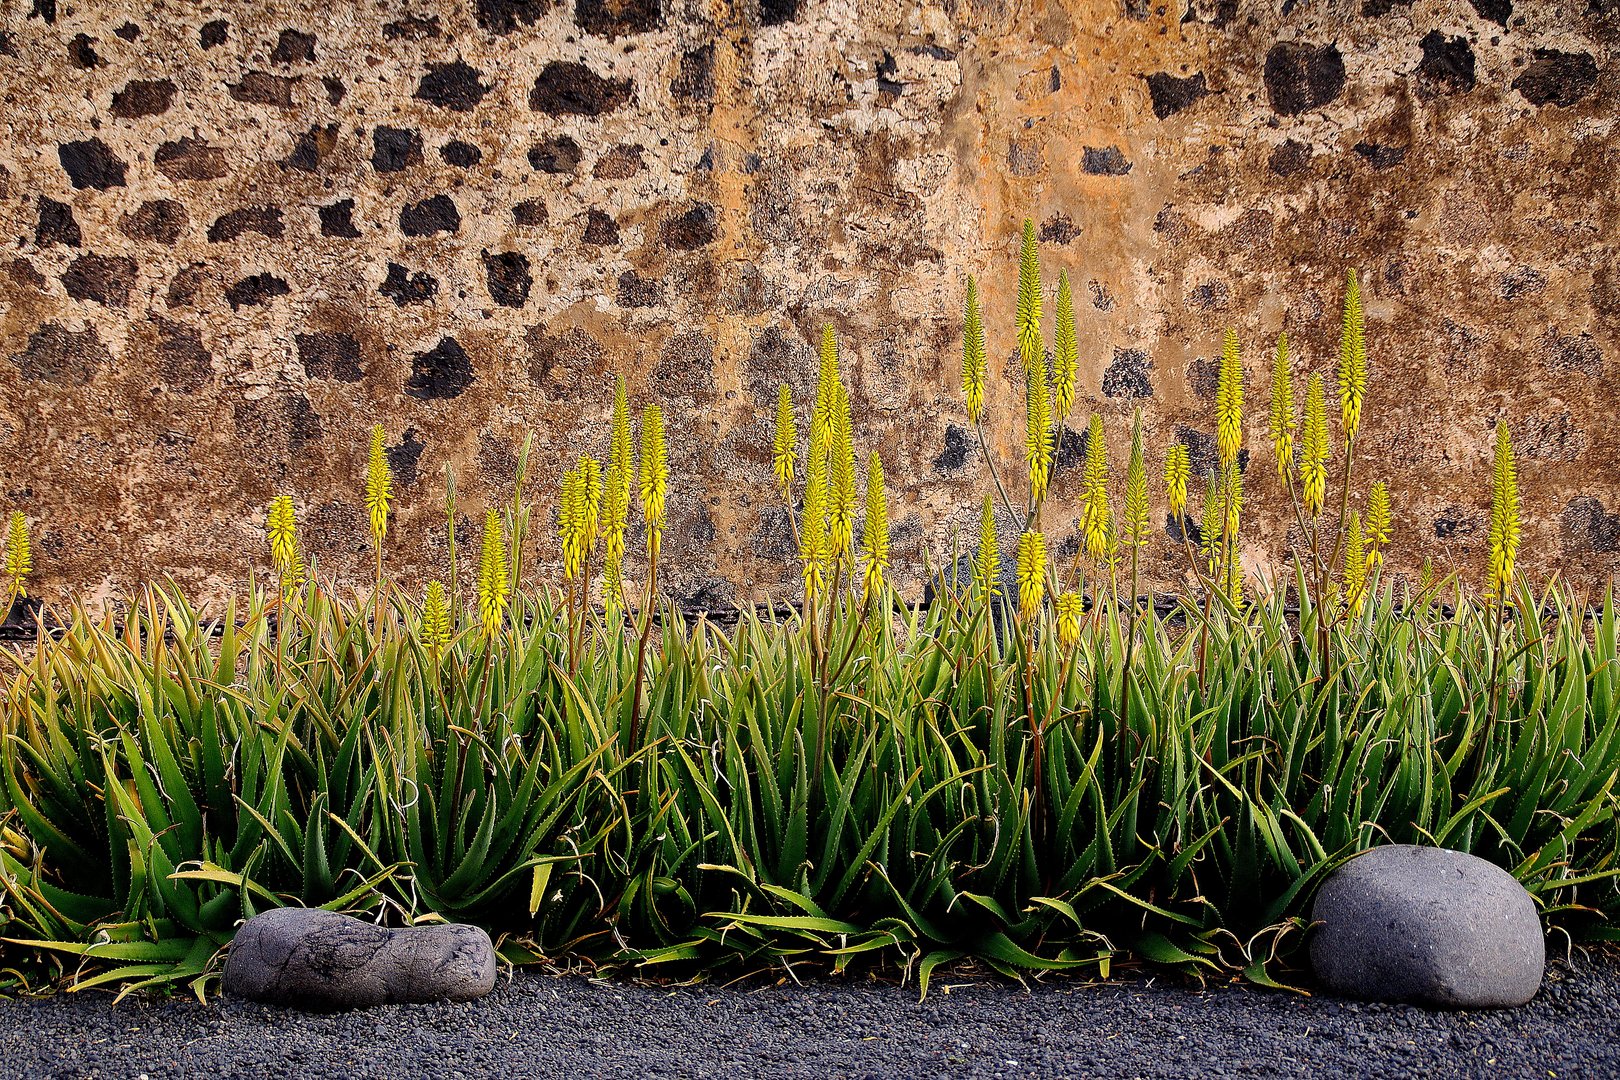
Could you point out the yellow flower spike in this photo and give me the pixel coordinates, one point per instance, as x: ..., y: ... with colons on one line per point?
x: 590, y: 485
x: 1038, y: 427
x: 1211, y: 521
x: 813, y: 527
x: 1177, y: 469
x: 875, y: 534
x: 1231, y: 517
x: 494, y: 585
x: 281, y: 528
x: 1229, y: 401
x: 616, y: 494
x: 1069, y: 608
x: 379, y: 486
x: 1378, y: 522
x: 654, y: 476
x: 987, y: 565
x: 1282, y: 409
x: 1352, y: 358
x: 1095, y: 513
x: 435, y: 620
x: 1065, y: 352
x: 841, y: 480
x: 1313, y: 449
x: 1029, y: 298
x: 1355, y: 564
x: 19, y: 558
x: 1504, y: 535
x: 571, y: 523
x: 785, y: 450
x: 1138, y: 526
x: 1031, y: 572
x: 973, y: 360
x: 828, y: 380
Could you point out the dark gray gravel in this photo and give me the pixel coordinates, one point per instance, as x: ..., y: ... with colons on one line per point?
x: 544, y: 1026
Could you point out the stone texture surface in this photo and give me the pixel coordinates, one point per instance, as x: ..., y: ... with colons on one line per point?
x: 1428, y: 926
x: 230, y: 229
x: 313, y: 959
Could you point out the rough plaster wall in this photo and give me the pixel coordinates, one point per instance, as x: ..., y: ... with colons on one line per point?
x: 241, y: 232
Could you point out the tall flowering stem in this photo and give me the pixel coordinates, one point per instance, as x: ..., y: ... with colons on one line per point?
x: 875, y: 534
x: 1504, y: 550
x: 281, y: 529
x: 1065, y: 353
x: 18, y: 561
x: 379, y: 493
x: 654, y: 490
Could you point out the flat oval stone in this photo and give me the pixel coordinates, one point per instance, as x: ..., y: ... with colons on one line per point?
x: 312, y: 959
x: 1428, y: 926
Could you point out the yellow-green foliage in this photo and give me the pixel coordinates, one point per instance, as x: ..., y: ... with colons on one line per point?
x: 785, y: 448
x: 379, y: 486
x: 1504, y: 535
x: 875, y: 534
x: 1352, y: 358
x: 1314, y: 450
x: 973, y: 360
x: 987, y: 563
x: 1229, y: 402
x: 1038, y: 426
x: 494, y: 586
x: 654, y: 476
x: 1138, y: 526
x: 1031, y: 572
x: 281, y: 528
x: 1095, y: 513
x: 19, y: 558
x: 1177, y: 470
x: 1029, y: 298
x: 1065, y: 352
x: 1282, y: 409
x: 435, y: 620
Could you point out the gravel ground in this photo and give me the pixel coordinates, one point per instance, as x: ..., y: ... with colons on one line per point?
x: 544, y: 1026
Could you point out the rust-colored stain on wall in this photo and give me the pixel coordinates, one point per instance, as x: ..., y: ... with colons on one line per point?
x: 239, y: 234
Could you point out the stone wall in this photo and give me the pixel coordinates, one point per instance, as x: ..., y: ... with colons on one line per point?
x: 241, y: 233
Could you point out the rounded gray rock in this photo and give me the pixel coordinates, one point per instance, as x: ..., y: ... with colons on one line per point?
x: 313, y: 959
x: 1427, y: 926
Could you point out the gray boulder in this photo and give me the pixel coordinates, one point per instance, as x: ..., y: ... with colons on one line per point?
x: 312, y: 959
x: 1427, y: 926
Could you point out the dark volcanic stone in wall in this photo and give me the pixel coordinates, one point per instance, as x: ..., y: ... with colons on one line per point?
x: 395, y: 149
x: 557, y: 154
x: 441, y: 372
x: 412, y: 28
x: 335, y: 90
x: 1170, y: 94
x: 456, y: 86
x: 128, y: 32
x: 213, y: 33
x: 1588, y: 527
x: 504, y: 16
x: 263, y: 88
x: 694, y: 81
x: 697, y: 227
x: 1379, y: 156
x: 143, y: 98
x: 404, y: 458
x: 530, y: 213
x: 403, y: 287
x: 1497, y: 11
x: 619, y: 163
x: 1104, y: 161
x: 777, y: 12
x: 336, y: 220
x: 560, y: 361
x: 294, y: 47
x: 162, y: 220
x: 58, y: 355
x: 105, y: 279
x: 1447, y: 65
x: 264, y: 220
x: 565, y: 88
x: 600, y: 229
x: 435, y: 215
x: 636, y: 291
x: 1127, y: 376
x: 686, y: 366
x: 191, y: 159
x: 507, y: 275
x: 186, y: 287
x: 56, y: 224
x: 329, y: 356
x: 954, y: 455
x: 184, y: 363
x: 463, y: 155
x: 1289, y: 158
x: 613, y: 19
x: 1300, y: 77
x: 256, y: 289
x: 90, y: 163
x: 1557, y: 78
x: 82, y: 51
x: 313, y: 147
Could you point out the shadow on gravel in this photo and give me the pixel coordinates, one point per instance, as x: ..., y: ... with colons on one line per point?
x: 541, y: 1026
